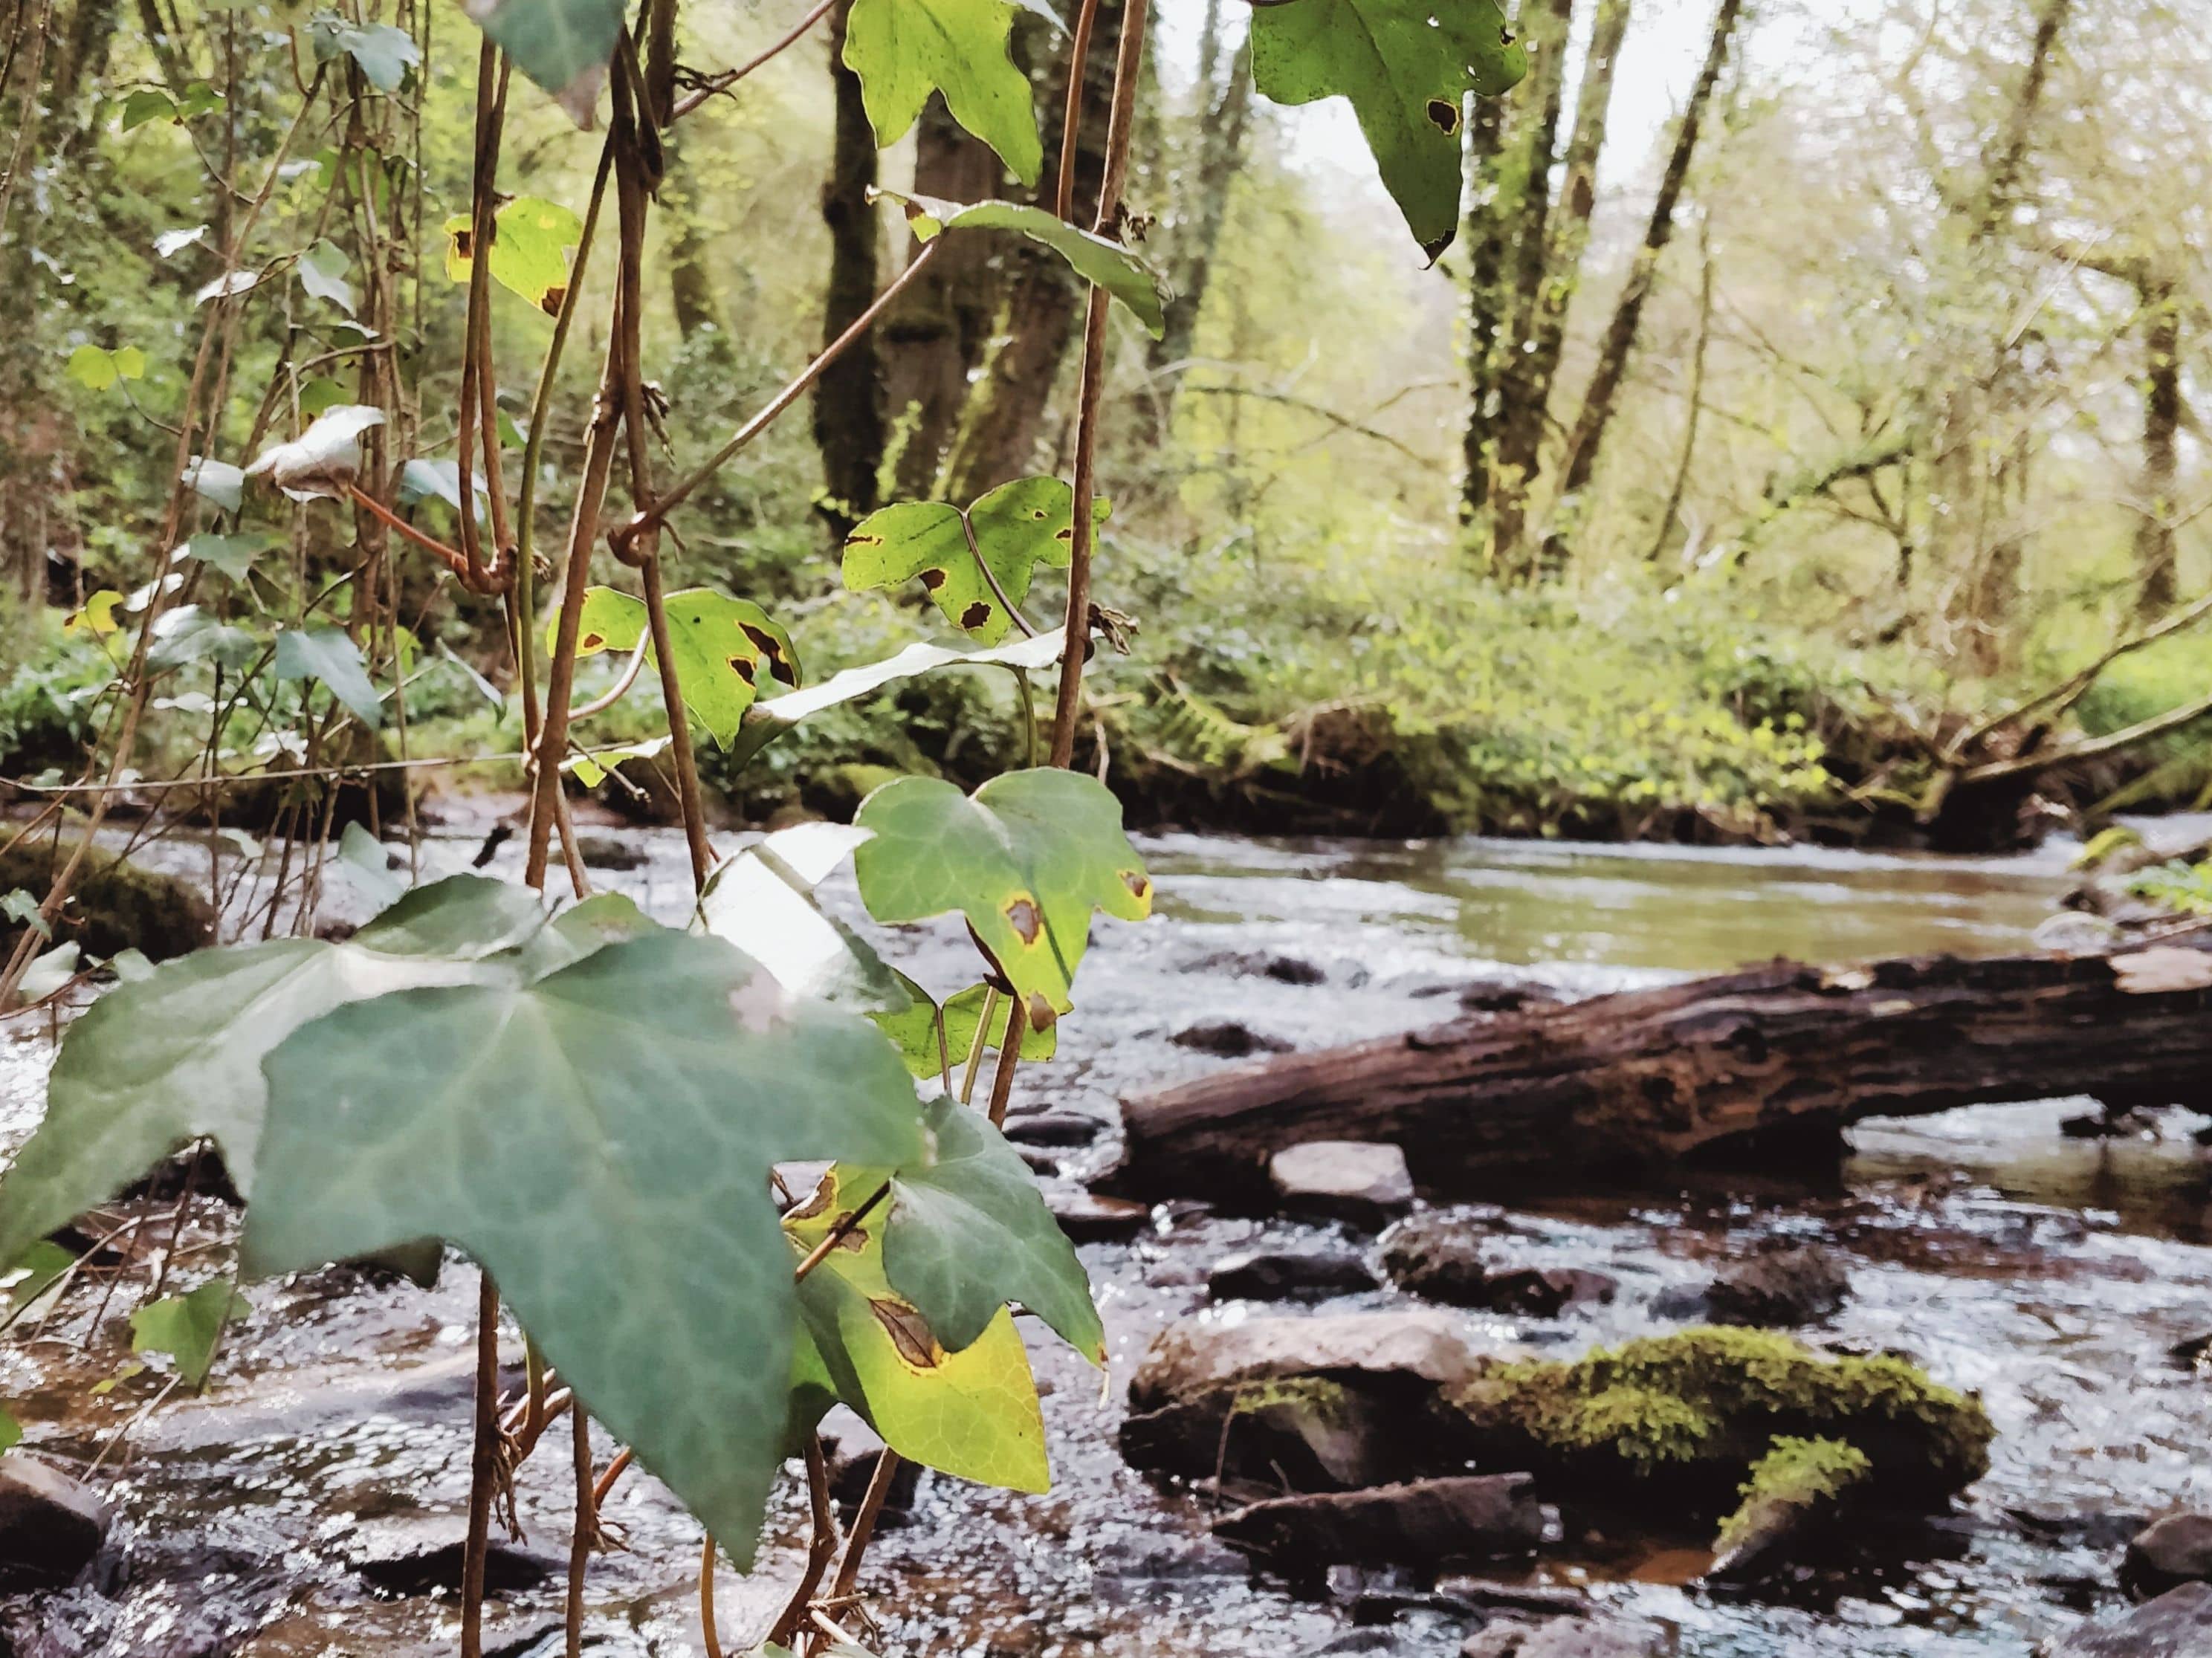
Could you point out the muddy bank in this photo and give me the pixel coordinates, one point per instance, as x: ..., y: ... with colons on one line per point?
x: 2051, y: 1277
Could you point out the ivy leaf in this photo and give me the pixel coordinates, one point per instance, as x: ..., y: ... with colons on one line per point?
x: 763, y: 902
x: 188, y: 633
x: 322, y: 271
x: 231, y: 554
x: 385, y: 53
x: 1407, y: 70
x: 914, y: 1029
x: 156, y: 1064
x: 39, y: 1269
x: 1011, y: 530
x: 971, y: 1412
x: 170, y: 243
x: 725, y: 648
x: 562, y: 45
x: 96, y: 370
x: 369, y: 866
x: 218, y: 480
x: 48, y: 973
x: 1098, y: 259
x: 904, y: 50
x: 970, y: 1231
x: 96, y: 615
x: 151, y: 104
x: 1025, y: 858
x: 600, y: 1140
x: 323, y: 460
x: 768, y: 719
x: 591, y: 769
x: 188, y: 1327
x: 327, y: 654
x: 532, y: 240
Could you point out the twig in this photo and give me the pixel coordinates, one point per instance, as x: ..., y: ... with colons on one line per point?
x: 820, y: 1547
x: 484, y: 1467
x: 714, y: 85
x: 706, y: 1599
x: 581, y: 1540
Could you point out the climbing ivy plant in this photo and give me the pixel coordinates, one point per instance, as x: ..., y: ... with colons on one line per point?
x: 600, y: 1111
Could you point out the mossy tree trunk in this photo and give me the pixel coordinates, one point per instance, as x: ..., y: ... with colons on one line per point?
x: 849, y: 428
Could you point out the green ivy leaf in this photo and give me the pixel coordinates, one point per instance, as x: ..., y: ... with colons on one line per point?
x: 562, y: 45
x: 39, y: 1269
x: 971, y: 1412
x: 147, y: 104
x: 1015, y: 528
x: 1407, y: 70
x: 96, y: 615
x: 970, y: 1231
x: 187, y: 634
x: 327, y: 654
x: 385, y: 53
x: 532, y: 241
x: 218, y: 480
x: 96, y: 370
x: 369, y: 866
x: 726, y: 648
x: 763, y: 902
x: 599, y: 1139
x: 188, y: 1327
x: 157, y: 1064
x: 1098, y: 259
x: 914, y: 1029
x: 231, y: 554
x: 1026, y: 860
x: 768, y: 719
x: 904, y: 50
x: 322, y: 271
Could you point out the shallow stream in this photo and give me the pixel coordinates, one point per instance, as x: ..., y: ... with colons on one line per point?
x: 2052, y: 1275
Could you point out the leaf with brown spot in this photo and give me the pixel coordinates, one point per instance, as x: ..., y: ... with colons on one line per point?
x: 719, y: 642
x: 1026, y: 860
x: 1013, y: 530
x: 972, y: 1413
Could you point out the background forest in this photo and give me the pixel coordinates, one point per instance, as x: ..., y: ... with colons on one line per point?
x: 1808, y: 384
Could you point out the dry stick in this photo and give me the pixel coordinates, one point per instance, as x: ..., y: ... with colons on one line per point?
x: 652, y: 518
x: 587, y: 1526
x: 715, y: 85
x: 1077, y: 627
x: 838, y: 1233
x: 819, y: 1548
x: 1002, y: 1082
x: 863, y: 1524
x: 484, y: 1467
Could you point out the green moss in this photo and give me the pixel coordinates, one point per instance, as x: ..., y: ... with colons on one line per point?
x: 1326, y: 1402
x: 1710, y: 1402
x: 115, y: 904
x: 1794, y: 1476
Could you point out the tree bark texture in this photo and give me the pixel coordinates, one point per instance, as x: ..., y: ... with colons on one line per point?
x: 849, y: 398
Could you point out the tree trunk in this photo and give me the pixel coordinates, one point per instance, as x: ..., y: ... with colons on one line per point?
x: 699, y: 319
x: 1602, y: 400
x: 849, y: 398
x: 1489, y: 238
x: 1779, y: 1054
x: 1521, y: 410
x: 2161, y: 426
x: 936, y: 334
x: 1005, y: 408
x: 1223, y: 117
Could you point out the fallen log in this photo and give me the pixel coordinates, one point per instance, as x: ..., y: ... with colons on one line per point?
x: 1782, y: 1054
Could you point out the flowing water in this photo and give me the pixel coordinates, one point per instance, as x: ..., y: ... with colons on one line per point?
x: 2051, y: 1275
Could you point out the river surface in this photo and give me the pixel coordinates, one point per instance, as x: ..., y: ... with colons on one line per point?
x: 2051, y: 1275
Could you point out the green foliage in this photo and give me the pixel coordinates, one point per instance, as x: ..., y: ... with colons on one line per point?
x: 971, y: 1412
x: 188, y: 1328
x: 2182, y: 888
x: 532, y: 244
x: 562, y: 45
x: 725, y: 648
x: 384, y: 54
x: 1026, y: 858
x: 327, y: 656
x: 918, y: 1029
x: 763, y: 902
x: 904, y: 50
x: 599, y: 1137
x: 968, y: 558
x: 1795, y: 1474
x: 1097, y: 259
x: 96, y: 370
x: 1407, y: 70
x: 157, y: 1064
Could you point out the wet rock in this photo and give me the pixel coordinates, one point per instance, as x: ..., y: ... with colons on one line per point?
x: 1445, y: 1259
x: 114, y: 905
x: 1040, y: 1161
x: 1089, y: 1218
x: 1505, y: 996
x: 1795, y: 1493
x: 1683, y: 1303
x: 422, y: 1554
x: 2071, y: 932
x: 1261, y: 1275
x: 1308, y: 1432
x: 2178, y: 1625
x: 1582, y: 1637
x: 51, y: 1525
x: 1353, y: 1641
x: 2174, y: 1550
x: 1290, y: 970
x: 1194, y: 1357
x: 611, y: 852
x: 1359, y: 1182
x: 1527, y: 1600
x: 1428, y: 1522
x: 1784, y: 1290
x: 1054, y: 1128
x: 852, y: 1455
x: 1226, y: 1039
x: 2194, y: 1354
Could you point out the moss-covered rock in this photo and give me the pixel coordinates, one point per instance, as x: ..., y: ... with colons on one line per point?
x: 114, y: 905
x: 1692, y: 1413
x: 1799, y: 1486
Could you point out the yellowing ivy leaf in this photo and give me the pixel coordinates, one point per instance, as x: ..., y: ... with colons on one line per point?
x: 532, y: 240
x: 727, y: 649
x: 904, y: 50
x: 969, y: 559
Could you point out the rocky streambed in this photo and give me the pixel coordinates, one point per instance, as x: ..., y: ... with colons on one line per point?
x: 2058, y: 1287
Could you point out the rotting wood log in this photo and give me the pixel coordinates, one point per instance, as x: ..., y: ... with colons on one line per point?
x: 1647, y: 1077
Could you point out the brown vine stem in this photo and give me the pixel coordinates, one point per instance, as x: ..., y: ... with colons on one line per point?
x: 679, y: 728
x: 1070, y: 126
x: 863, y: 1524
x: 838, y: 1233
x: 707, y: 1620
x: 714, y: 85
x: 819, y: 1548
x: 1010, y: 1055
x: 650, y: 518
x: 586, y: 1532
x: 1077, y: 627
x: 483, y: 183
x: 484, y: 1467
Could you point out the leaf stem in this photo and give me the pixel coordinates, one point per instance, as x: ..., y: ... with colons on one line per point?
x: 820, y: 1547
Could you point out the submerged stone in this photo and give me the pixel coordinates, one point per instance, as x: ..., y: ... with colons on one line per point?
x: 1268, y: 1275
x: 1429, y: 1522
x: 2178, y: 1625
x: 1782, y: 1289
x: 51, y: 1526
